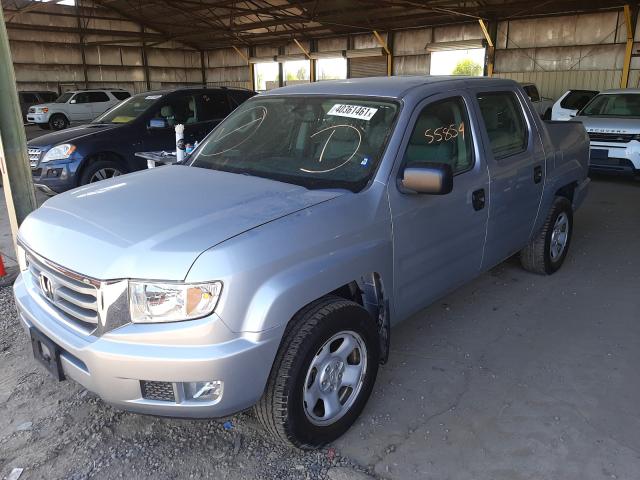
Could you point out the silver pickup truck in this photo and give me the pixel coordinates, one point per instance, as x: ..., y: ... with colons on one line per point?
x: 269, y: 269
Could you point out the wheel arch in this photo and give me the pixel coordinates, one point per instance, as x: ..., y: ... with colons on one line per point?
x: 98, y: 156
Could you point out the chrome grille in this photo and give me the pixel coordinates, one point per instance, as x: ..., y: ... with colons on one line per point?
x: 34, y: 156
x: 610, y: 137
x: 75, y: 299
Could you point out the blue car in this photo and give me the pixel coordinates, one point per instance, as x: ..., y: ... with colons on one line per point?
x: 106, y: 147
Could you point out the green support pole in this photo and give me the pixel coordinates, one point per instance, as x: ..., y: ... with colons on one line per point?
x: 14, y: 162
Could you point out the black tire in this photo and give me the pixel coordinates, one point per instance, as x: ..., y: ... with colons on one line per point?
x: 44, y: 126
x: 58, y: 122
x: 281, y: 410
x: 93, y: 168
x: 536, y: 257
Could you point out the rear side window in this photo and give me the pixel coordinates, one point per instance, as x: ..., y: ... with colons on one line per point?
x: 98, y: 97
x: 121, y: 95
x: 576, y: 99
x: 532, y: 93
x: 504, y: 122
x: 212, y: 106
x: 442, y: 135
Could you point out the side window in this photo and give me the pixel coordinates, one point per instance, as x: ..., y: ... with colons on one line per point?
x: 532, y: 92
x: 505, y: 123
x: 442, y: 135
x: 80, y: 98
x: 577, y: 99
x: 177, y: 110
x: 121, y: 95
x: 98, y: 97
x: 211, y: 106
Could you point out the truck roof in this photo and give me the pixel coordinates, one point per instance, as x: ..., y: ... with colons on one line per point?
x: 392, y: 87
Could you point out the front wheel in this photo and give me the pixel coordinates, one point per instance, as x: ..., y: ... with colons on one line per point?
x: 58, y: 122
x: 547, y: 251
x: 101, y: 170
x: 323, y: 374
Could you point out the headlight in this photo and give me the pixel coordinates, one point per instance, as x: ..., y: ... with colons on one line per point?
x: 171, y: 302
x: 22, y: 258
x: 59, y: 152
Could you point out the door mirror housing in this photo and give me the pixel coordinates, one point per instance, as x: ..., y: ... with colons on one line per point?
x: 73, y: 101
x: 428, y: 178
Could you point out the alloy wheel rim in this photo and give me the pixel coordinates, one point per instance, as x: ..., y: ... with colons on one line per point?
x: 334, y: 378
x: 559, y: 236
x: 105, y: 173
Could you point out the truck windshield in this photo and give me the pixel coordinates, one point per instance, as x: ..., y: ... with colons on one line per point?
x: 315, y: 142
x: 128, y: 110
x: 613, y: 105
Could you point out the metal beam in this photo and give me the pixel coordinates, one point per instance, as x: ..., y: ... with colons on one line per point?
x: 14, y: 162
x: 490, y: 56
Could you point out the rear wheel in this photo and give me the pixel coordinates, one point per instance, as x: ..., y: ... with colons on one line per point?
x: 58, y: 122
x: 323, y: 374
x: 101, y: 170
x: 547, y: 251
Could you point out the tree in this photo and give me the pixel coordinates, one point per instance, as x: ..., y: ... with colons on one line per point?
x: 468, y: 67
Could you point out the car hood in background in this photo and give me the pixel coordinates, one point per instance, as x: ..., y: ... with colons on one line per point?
x: 610, y: 124
x: 153, y: 224
x: 70, y: 135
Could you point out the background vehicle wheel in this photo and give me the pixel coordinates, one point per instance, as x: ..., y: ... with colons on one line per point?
x: 547, y: 251
x: 101, y: 170
x: 323, y: 374
x: 58, y: 122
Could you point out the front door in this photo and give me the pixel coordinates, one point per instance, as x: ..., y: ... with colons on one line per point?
x: 517, y: 164
x: 438, y: 240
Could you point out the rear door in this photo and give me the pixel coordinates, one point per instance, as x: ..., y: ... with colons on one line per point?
x: 438, y: 240
x: 100, y: 103
x: 516, y: 162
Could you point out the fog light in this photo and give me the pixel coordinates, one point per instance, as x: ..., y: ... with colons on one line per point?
x: 210, y: 391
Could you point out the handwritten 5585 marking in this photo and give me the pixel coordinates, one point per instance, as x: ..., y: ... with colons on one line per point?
x: 444, y: 134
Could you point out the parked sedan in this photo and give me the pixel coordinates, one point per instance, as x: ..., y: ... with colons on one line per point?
x: 107, y: 146
x: 570, y: 103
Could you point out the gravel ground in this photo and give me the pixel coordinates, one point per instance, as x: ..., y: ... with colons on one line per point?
x: 59, y: 430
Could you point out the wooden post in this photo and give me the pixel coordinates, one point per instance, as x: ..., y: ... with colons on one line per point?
x: 14, y: 162
x: 203, y: 69
x: 629, y: 18
x: 145, y: 60
x: 82, y: 46
x: 491, y: 47
x: 249, y: 64
x: 312, y: 62
x: 385, y: 47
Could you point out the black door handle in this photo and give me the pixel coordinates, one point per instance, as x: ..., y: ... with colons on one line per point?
x: 537, y: 174
x: 478, y: 199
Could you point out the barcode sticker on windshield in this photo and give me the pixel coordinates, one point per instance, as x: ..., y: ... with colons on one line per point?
x: 353, y: 111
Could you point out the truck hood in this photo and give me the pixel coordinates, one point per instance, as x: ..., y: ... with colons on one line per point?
x: 153, y: 224
x: 70, y: 135
x: 610, y: 124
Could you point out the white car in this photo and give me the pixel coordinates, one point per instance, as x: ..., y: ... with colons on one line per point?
x: 570, y: 103
x: 541, y: 104
x: 75, y: 106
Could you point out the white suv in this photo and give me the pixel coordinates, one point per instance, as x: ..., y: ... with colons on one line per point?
x: 75, y: 106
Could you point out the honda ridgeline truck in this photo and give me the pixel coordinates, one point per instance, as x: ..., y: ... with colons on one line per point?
x: 268, y: 270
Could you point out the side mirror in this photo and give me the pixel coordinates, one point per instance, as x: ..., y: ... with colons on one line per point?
x: 573, y: 115
x: 73, y: 101
x: 430, y: 178
x: 157, y: 123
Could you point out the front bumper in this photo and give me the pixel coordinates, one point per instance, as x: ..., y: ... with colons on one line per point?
x: 54, y: 177
x: 617, y: 158
x: 114, y: 365
x: 38, y: 117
